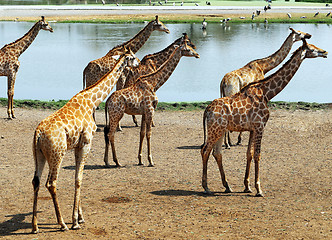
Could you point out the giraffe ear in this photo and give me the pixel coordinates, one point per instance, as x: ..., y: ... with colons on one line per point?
x: 116, y: 57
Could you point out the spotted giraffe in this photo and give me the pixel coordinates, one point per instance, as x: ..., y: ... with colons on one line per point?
x: 9, y: 63
x: 247, y: 110
x: 149, y: 64
x: 255, y: 70
x: 99, y: 67
x: 71, y: 127
x: 140, y: 99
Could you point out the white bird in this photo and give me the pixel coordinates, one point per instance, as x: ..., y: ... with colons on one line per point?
x: 103, y: 2
x: 242, y: 17
x: 303, y: 17
x: 196, y: 4
x: 316, y: 14
x: 289, y: 15
x: 265, y: 21
x: 253, y: 16
x: 181, y: 4
x: 204, y: 24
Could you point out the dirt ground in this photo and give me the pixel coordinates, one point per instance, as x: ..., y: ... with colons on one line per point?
x: 167, y: 201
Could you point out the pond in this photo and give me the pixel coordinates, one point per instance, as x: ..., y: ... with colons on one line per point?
x: 52, y: 66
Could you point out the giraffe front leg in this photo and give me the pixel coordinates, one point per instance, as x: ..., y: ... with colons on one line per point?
x: 148, y: 138
x: 141, y: 138
x: 81, y: 154
x: 10, y: 93
x: 249, y: 159
x: 257, y: 157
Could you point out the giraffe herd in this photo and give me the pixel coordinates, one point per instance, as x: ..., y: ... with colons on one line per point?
x: 242, y: 107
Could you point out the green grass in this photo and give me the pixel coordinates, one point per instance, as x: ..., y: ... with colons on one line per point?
x: 166, y: 106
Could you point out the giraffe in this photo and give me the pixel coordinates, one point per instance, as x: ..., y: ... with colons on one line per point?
x: 99, y: 67
x: 247, y: 111
x: 255, y: 70
x: 71, y: 127
x: 9, y: 63
x: 140, y: 99
x: 149, y: 64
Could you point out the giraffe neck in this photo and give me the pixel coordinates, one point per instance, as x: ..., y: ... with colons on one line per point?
x: 275, y: 83
x: 160, y: 57
x: 96, y: 93
x: 276, y: 58
x: 20, y: 45
x: 158, y: 78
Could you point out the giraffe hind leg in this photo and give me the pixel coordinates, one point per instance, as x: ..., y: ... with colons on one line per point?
x: 39, y: 166
x: 218, y: 156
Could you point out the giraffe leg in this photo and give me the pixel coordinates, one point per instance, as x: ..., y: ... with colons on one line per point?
x: 109, y: 133
x: 148, y: 122
x: 39, y: 165
x: 218, y: 156
x: 51, y: 186
x: 205, y: 153
x: 239, y: 139
x: 10, y: 93
x: 257, y: 157
x: 141, y: 138
x: 80, y: 155
x: 227, y: 140
x: 249, y: 159
x: 135, y: 120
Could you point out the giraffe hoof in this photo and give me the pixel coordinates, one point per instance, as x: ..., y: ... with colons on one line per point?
x: 75, y: 227
x: 208, y: 192
x: 80, y: 221
x: 247, y: 190
x: 228, y: 190
x: 35, y: 231
x: 259, y: 195
x: 64, y: 228
x: 150, y: 165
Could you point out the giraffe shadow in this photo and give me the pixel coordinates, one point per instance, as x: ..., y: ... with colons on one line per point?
x: 14, y: 223
x: 91, y: 167
x: 183, y: 193
x: 189, y: 147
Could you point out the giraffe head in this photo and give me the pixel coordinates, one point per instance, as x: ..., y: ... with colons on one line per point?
x: 44, y: 25
x: 187, y: 50
x: 311, y: 51
x: 298, y: 35
x: 130, y: 58
x: 159, y: 26
x: 187, y: 39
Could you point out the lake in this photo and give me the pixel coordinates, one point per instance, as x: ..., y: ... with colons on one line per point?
x: 51, y: 68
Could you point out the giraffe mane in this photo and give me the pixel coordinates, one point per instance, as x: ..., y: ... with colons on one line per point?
x: 255, y: 83
x: 9, y: 44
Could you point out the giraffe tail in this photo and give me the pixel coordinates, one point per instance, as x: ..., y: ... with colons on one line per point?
x: 84, y: 78
x: 107, y: 127
x: 39, y: 163
x: 204, y: 128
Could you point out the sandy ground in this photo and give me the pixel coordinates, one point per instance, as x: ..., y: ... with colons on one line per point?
x: 167, y: 201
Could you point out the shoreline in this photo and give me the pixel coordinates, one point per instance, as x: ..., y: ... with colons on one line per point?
x: 168, y: 106
x: 108, y: 13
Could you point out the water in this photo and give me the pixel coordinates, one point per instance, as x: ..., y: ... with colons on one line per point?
x: 52, y: 66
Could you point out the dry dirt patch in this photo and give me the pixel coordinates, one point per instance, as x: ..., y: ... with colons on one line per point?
x: 167, y: 201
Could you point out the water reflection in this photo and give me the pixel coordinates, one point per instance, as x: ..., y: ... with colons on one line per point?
x: 52, y: 66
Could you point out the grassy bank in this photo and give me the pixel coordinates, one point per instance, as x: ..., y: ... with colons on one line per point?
x: 164, y: 106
